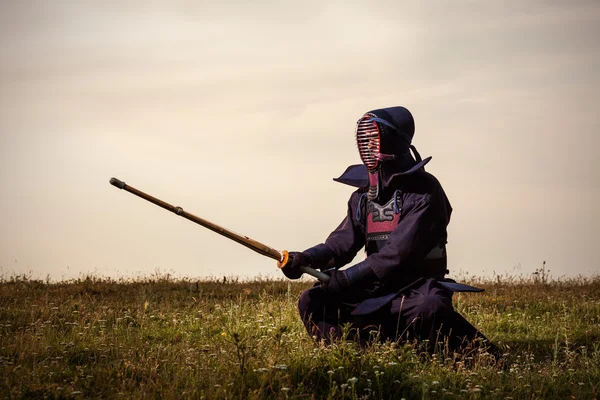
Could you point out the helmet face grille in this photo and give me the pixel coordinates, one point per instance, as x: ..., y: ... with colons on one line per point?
x: 368, y: 139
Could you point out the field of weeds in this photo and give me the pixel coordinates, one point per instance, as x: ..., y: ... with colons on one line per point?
x: 164, y: 338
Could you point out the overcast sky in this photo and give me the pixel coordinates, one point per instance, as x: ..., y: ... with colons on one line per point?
x: 243, y: 112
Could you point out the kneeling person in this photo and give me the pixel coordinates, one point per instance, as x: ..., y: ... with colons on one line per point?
x: 399, y: 213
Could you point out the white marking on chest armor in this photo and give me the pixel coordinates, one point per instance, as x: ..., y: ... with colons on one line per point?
x: 381, y: 213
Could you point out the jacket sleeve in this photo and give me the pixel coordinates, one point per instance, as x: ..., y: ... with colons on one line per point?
x: 344, y: 242
x: 421, y: 228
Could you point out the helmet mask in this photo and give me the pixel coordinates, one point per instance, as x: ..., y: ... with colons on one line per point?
x: 368, y: 140
x: 383, y: 139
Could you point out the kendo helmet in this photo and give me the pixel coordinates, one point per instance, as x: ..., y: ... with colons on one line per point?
x: 384, y: 141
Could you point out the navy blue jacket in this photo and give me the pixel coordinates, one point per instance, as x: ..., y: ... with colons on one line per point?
x: 424, y: 215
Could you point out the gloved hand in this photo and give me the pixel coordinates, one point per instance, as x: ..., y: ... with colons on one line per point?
x: 296, y: 260
x: 337, y: 283
x: 356, y: 277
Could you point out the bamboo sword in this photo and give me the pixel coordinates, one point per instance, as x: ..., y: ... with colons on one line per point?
x: 281, y: 257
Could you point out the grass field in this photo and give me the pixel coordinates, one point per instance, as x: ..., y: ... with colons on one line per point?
x: 164, y: 338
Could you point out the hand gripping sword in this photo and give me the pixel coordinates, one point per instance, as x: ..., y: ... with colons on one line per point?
x: 282, y: 257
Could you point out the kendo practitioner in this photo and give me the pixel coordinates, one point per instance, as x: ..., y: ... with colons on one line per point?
x: 399, y: 213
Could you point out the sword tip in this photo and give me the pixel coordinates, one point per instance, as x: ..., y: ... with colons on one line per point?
x: 117, y: 183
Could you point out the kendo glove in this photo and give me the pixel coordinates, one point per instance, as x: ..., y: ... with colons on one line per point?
x: 316, y: 257
x: 296, y: 260
x: 355, y: 277
x: 338, y: 282
x: 321, y: 256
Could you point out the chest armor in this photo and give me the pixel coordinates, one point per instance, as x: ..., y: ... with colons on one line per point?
x: 381, y: 220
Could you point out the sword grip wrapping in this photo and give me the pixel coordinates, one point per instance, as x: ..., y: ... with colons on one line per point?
x: 317, y: 274
x: 305, y: 269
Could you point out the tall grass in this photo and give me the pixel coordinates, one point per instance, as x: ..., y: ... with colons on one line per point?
x: 166, y: 338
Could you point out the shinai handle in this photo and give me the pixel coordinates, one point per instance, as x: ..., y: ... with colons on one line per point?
x: 305, y: 269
